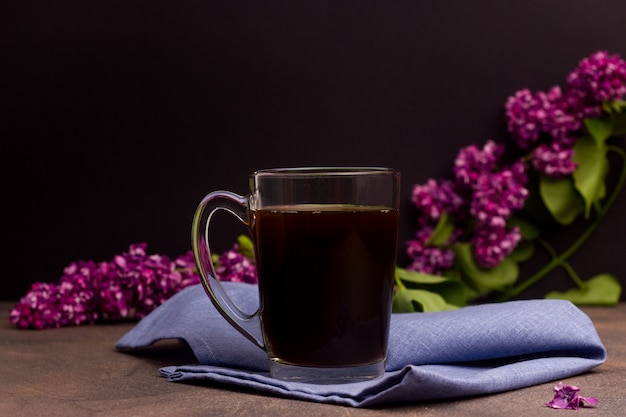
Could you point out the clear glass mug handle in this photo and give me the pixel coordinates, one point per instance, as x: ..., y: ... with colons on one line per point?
x: 247, y: 324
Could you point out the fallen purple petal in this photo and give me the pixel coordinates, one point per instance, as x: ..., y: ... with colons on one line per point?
x: 566, y: 398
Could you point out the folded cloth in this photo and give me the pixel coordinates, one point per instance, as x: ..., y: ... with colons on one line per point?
x: 474, y: 350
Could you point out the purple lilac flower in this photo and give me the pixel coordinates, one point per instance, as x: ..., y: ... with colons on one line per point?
x: 497, y: 194
x: 559, y: 114
x: 429, y: 259
x: 599, y: 77
x: 434, y: 198
x: 566, y: 397
x: 493, y: 197
x: 186, y: 265
x: 562, y: 115
x: 76, y: 296
x: 526, y: 114
x: 529, y: 115
x: 547, y: 124
x: 233, y: 266
x: 558, y: 121
x: 472, y: 162
x: 483, y: 197
x: 37, y: 309
x: 492, y: 244
x: 137, y: 283
x: 132, y: 285
x: 72, y: 301
x: 554, y: 160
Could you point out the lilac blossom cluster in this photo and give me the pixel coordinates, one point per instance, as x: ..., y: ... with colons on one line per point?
x: 427, y: 258
x: 483, y: 195
x: 432, y: 200
x: 547, y: 123
x: 131, y: 285
x: 236, y: 267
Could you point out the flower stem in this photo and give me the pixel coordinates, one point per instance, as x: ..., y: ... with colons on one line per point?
x: 560, y: 260
x: 620, y: 181
x: 568, y: 268
x: 573, y: 275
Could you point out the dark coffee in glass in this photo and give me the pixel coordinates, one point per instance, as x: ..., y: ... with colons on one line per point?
x: 325, y: 275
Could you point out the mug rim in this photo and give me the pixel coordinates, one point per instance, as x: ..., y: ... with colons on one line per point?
x: 321, y: 171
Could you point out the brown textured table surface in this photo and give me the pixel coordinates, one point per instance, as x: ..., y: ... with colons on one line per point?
x: 76, y: 372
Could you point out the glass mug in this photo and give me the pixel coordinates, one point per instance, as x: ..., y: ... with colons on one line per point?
x: 325, y: 242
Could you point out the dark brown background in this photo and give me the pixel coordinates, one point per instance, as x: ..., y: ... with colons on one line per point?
x: 118, y: 116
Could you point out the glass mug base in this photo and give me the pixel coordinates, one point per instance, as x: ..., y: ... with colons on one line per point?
x: 317, y: 375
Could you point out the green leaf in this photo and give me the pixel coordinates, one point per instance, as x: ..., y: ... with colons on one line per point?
x: 246, y: 247
x: 419, y: 277
x: 409, y: 301
x: 615, y: 106
x: 442, y: 232
x: 534, y: 207
x: 450, y: 289
x: 475, y: 292
x: 618, y: 120
x: 601, y: 290
x: 591, y: 171
x: 561, y: 198
x: 616, y: 110
x: 600, y: 129
x: 529, y: 231
x: 497, y: 278
x: 523, y: 251
x: 215, y: 259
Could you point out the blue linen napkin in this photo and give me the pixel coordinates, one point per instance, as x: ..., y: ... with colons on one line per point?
x: 474, y: 350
